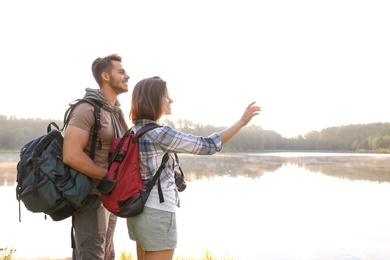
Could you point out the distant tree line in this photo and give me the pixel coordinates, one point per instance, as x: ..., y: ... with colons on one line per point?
x: 370, y: 138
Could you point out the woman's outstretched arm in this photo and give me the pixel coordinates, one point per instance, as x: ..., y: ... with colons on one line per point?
x: 249, y: 113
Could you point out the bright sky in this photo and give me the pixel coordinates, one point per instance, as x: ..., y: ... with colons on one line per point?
x: 309, y: 64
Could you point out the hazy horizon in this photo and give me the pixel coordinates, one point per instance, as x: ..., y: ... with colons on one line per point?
x: 129, y: 123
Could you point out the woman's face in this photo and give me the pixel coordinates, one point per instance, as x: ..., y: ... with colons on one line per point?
x: 166, y: 104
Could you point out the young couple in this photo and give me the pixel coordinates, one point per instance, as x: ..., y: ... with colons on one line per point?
x: 154, y: 230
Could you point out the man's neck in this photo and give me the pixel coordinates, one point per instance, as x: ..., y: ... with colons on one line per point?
x: 110, y: 96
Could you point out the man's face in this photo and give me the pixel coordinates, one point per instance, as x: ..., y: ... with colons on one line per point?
x: 118, y: 78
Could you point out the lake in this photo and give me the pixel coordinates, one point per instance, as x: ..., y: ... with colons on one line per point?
x: 246, y: 206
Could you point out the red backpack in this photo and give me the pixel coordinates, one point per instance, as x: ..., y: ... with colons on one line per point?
x: 123, y: 192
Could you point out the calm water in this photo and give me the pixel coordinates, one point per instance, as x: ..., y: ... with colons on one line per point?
x: 252, y: 206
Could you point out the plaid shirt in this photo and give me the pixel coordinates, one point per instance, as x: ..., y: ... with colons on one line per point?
x: 155, y: 143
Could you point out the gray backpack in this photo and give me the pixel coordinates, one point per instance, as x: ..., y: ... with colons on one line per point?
x: 44, y: 183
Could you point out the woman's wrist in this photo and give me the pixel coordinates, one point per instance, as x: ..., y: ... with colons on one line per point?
x: 241, y: 123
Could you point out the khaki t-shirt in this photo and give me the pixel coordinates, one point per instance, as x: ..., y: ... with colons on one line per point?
x: 83, y: 117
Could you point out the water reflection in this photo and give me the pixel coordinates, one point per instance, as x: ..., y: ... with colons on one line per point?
x: 248, y: 206
x: 369, y: 167
x: 8, y: 169
x: 233, y: 165
x: 346, y: 166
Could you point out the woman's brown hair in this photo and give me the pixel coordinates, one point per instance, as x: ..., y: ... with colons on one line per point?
x: 146, y: 99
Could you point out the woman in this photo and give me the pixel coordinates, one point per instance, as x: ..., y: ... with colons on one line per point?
x: 154, y: 229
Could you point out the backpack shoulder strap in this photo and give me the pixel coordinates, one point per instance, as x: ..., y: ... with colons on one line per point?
x: 72, y: 105
x: 145, y: 128
x: 97, y: 125
x: 156, y: 177
x: 135, y: 139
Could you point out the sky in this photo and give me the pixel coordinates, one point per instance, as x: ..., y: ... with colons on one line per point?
x: 309, y: 64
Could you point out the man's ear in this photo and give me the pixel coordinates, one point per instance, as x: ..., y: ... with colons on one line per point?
x: 105, y: 76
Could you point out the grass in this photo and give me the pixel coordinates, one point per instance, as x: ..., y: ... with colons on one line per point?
x: 206, y: 255
x: 7, y: 254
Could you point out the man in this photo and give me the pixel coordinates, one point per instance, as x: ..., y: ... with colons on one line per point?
x: 93, y: 225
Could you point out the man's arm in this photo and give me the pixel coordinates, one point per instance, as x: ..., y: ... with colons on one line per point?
x: 75, y: 141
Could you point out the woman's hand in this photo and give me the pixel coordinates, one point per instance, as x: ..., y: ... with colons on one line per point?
x: 249, y: 113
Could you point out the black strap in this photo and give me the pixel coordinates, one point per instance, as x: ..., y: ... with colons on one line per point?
x: 95, y: 130
x: 157, y: 177
x: 140, y: 132
x: 178, y: 164
x: 97, y: 124
x: 72, y: 239
x: 49, y: 127
x: 94, y: 102
x: 146, y: 128
x: 116, y: 156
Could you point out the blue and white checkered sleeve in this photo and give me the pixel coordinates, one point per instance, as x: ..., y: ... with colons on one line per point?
x: 178, y: 142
